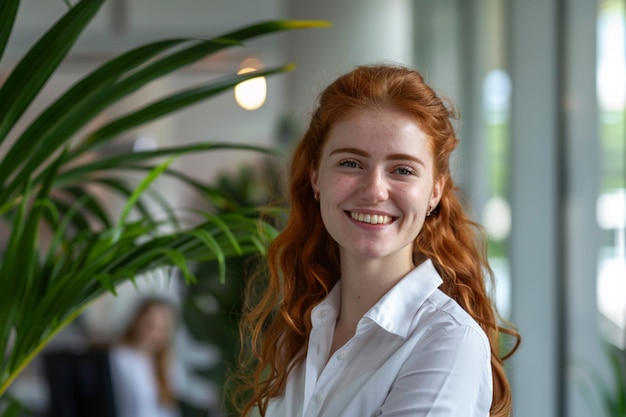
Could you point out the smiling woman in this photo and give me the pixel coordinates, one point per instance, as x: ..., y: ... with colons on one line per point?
x: 375, y: 300
x: 361, y: 178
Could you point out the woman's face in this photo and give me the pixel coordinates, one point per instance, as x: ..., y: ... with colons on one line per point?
x: 375, y: 184
x: 154, y: 328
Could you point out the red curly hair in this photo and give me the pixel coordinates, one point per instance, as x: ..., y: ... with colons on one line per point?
x: 303, y: 260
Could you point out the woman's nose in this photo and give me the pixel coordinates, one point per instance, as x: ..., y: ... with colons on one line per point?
x: 374, y: 187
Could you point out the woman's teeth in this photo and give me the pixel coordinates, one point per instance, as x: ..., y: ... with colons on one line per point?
x: 371, y: 218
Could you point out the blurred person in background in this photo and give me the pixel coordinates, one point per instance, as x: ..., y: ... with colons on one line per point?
x: 140, y: 362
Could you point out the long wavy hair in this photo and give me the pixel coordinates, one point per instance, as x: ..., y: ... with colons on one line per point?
x: 303, y: 260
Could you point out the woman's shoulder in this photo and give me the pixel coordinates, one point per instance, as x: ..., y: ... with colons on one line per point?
x: 123, y: 351
x: 438, y: 306
x: 443, y: 315
x: 127, y: 357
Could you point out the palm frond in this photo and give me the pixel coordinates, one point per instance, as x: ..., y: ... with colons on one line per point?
x: 45, y: 182
x: 8, y: 11
x: 34, y: 70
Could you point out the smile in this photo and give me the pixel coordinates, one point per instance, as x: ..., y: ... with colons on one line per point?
x: 371, y: 218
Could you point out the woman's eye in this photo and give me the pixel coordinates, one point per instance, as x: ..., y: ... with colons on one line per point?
x: 349, y: 163
x: 405, y: 171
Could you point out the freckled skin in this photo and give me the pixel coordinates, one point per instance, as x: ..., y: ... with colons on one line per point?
x: 376, y: 162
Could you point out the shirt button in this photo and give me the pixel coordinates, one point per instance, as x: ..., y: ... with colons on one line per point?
x: 321, y: 314
x: 341, y: 356
x: 319, y: 398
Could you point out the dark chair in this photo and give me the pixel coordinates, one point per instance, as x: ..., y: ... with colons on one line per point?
x: 79, y: 384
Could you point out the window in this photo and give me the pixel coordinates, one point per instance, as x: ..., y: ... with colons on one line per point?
x: 611, y: 203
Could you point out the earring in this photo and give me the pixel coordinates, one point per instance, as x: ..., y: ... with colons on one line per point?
x: 316, y: 195
x: 429, y: 211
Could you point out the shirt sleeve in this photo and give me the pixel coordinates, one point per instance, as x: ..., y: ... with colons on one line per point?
x: 450, y: 376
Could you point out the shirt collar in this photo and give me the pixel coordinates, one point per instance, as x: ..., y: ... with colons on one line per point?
x: 327, y: 311
x: 396, y: 310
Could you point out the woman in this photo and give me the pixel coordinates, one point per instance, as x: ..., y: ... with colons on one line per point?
x: 140, y: 363
x: 375, y: 303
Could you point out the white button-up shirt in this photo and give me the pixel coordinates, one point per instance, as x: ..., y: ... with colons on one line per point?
x: 415, y: 353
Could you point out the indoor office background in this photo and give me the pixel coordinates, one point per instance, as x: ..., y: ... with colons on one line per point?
x: 541, y: 88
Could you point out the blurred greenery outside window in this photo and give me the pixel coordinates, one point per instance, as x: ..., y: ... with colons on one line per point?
x: 611, y: 202
x: 496, y: 214
x: 495, y: 91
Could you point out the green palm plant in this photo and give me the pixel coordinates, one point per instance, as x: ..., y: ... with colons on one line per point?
x: 45, y: 182
x: 608, y: 393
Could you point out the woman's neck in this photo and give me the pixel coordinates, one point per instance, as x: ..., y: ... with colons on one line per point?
x: 364, y: 282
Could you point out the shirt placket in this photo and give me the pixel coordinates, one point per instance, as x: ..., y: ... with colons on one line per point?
x: 319, y: 346
x: 328, y: 373
x: 325, y: 383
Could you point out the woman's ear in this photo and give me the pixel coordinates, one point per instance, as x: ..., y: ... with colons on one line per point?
x: 438, y: 187
x: 313, y: 175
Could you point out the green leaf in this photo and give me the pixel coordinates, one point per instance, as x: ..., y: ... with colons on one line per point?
x: 619, y: 384
x: 75, y: 108
x: 76, y: 117
x: 176, y: 102
x: 180, y: 262
x: 91, y: 205
x: 145, y: 183
x: 60, y: 232
x: 14, y: 409
x: 210, y: 241
x: 80, y: 222
x: 258, y: 244
x: 31, y: 73
x: 8, y: 11
x: 120, y: 187
x: 275, y: 26
x: 107, y: 282
x: 130, y: 159
x: 12, y: 285
x: 10, y: 204
x: 216, y: 220
x: 215, y: 196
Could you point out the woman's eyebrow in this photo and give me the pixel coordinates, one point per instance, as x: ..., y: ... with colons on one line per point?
x: 405, y: 157
x: 391, y: 157
x: 356, y: 151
